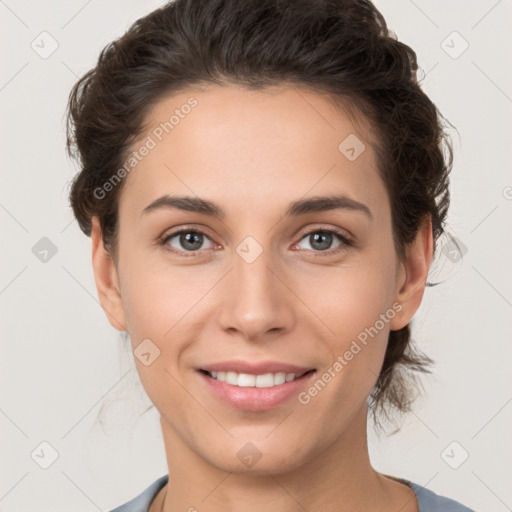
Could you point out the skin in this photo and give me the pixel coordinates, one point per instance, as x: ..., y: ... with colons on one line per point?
x: 252, y: 153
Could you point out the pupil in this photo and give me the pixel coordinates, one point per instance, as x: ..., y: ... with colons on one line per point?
x: 321, y: 238
x: 193, y: 239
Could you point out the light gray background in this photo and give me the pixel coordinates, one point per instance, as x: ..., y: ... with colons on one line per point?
x: 60, y: 359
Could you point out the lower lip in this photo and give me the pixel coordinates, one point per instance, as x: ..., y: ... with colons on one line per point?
x: 253, y: 398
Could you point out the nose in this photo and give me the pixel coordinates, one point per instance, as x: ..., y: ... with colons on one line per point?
x: 257, y: 303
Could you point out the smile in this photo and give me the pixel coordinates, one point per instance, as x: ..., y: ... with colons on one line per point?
x: 265, y: 380
x: 251, y: 392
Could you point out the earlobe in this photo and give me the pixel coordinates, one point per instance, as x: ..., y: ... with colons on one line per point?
x: 412, y: 278
x: 105, y: 276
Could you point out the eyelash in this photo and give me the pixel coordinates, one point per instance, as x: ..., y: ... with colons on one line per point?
x: 345, y: 241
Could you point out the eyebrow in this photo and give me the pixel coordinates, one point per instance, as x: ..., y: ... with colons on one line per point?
x: 301, y: 207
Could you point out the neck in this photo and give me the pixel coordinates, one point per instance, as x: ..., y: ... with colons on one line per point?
x: 341, y: 474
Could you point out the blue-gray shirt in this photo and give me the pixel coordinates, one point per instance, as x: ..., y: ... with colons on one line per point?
x: 428, y: 501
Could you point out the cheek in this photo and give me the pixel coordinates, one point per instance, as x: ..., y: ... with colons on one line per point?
x: 154, y: 296
x: 163, y: 304
x: 355, y: 297
x: 156, y: 303
x: 359, y: 315
x: 356, y: 303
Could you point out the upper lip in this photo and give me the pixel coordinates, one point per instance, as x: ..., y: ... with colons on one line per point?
x: 255, y: 368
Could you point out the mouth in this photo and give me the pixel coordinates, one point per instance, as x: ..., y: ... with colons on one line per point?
x: 248, y: 380
x: 255, y: 392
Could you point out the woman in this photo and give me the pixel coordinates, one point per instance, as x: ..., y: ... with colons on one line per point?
x: 264, y: 184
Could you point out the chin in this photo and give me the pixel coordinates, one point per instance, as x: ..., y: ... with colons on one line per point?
x: 258, y: 457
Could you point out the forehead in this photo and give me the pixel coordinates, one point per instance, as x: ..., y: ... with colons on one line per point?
x: 258, y: 144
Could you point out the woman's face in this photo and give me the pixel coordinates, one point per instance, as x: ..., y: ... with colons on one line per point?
x: 262, y: 281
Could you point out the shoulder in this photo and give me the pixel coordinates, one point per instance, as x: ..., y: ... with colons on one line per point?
x: 142, y: 502
x: 429, y: 501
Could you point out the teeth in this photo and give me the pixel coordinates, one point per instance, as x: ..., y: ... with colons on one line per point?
x: 266, y: 380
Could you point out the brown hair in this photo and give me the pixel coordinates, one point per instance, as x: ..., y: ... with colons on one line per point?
x: 339, y: 47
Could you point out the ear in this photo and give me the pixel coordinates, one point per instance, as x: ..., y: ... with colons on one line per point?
x: 412, y: 275
x: 105, y: 275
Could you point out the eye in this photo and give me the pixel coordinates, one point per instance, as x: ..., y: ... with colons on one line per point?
x: 321, y: 240
x: 190, y: 241
x: 186, y: 241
